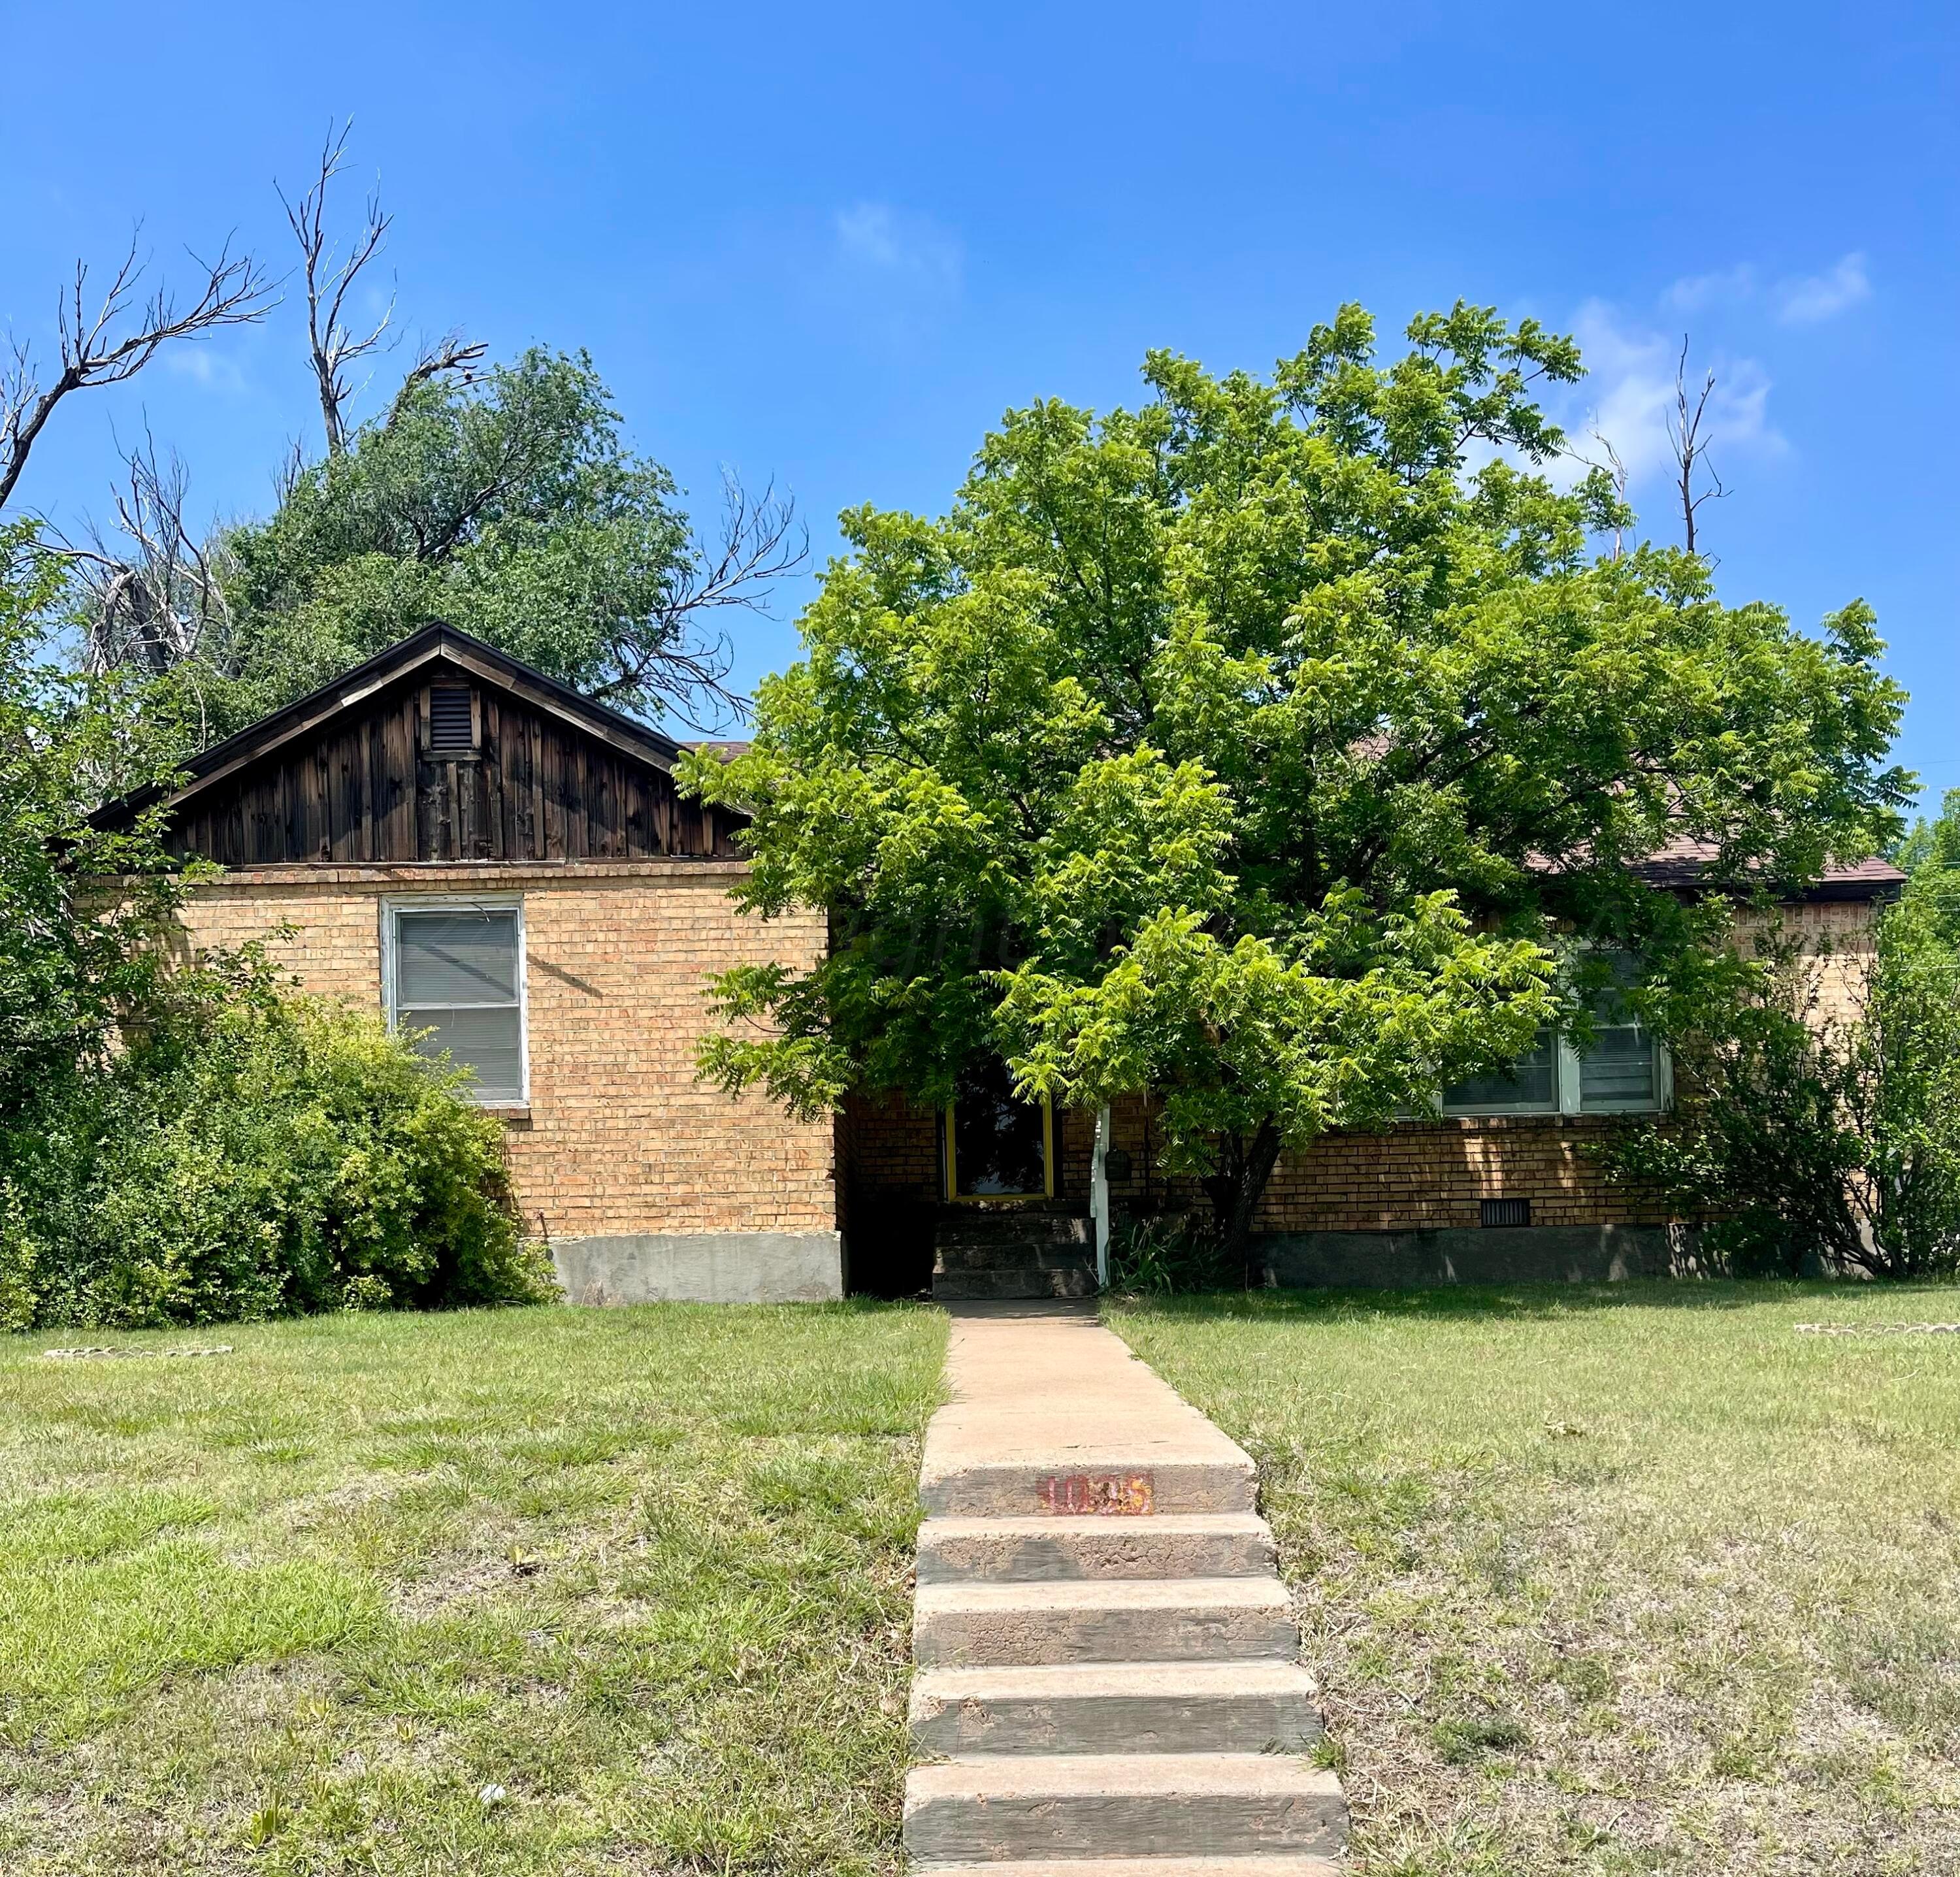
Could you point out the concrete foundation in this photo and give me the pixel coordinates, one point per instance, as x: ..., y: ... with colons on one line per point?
x: 1491, y: 1255
x: 701, y: 1267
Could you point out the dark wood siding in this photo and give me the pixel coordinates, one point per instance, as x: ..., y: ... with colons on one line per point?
x: 365, y: 787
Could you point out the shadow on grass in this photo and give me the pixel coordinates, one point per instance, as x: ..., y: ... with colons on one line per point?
x: 1470, y: 1302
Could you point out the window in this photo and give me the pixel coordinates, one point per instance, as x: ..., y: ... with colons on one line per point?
x: 1530, y: 1087
x: 1621, y: 1071
x: 456, y: 970
x: 1624, y: 1069
x: 997, y: 1147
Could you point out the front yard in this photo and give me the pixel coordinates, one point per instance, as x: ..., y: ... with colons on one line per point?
x: 529, y: 1591
x: 1636, y: 1579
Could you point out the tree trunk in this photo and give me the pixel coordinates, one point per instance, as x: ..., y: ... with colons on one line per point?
x: 1244, y: 1168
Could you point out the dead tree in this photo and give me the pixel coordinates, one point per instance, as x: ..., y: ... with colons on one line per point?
x: 156, y: 600
x: 1690, y: 447
x: 334, y: 347
x: 1615, y: 470
x: 102, y: 348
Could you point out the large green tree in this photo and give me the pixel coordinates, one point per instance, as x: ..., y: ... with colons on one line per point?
x: 1248, y: 749
x: 505, y: 501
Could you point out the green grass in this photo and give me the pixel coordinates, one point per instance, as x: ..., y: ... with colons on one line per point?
x: 1615, y: 1580
x: 643, y: 1576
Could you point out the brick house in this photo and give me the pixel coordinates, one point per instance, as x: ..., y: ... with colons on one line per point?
x: 482, y: 853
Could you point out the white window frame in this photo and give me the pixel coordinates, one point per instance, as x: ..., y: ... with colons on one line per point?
x: 1567, y: 1101
x: 393, y: 905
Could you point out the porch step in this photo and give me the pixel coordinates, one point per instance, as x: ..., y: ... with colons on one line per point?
x: 997, y: 1807
x: 1175, y: 1619
x: 981, y: 1255
x: 1033, y: 1484
x: 1074, y: 1279
x: 1037, y: 1550
x: 1019, y: 1253
x: 1213, y: 1706
x: 979, y: 1228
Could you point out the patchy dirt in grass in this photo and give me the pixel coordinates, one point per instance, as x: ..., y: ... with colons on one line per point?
x: 1611, y: 1585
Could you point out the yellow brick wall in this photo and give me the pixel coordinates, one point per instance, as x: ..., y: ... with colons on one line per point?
x: 620, y: 1137
x: 1420, y: 1175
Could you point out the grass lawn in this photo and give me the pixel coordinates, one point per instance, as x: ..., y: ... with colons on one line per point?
x: 1625, y: 1579
x: 528, y: 1591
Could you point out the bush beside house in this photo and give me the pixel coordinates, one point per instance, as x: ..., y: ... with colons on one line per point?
x: 186, y: 1143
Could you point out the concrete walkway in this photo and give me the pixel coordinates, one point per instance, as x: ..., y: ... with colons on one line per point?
x: 1107, y: 1683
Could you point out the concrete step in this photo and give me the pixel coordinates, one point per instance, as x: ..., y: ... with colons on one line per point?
x: 981, y: 1229
x: 1280, y: 1864
x: 1087, y: 1481
x: 1014, y: 1254
x: 1175, y: 1619
x: 1235, y: 1707
x: 992, y: 1808
x: 1017, y: 1281
x: 1029, y: 1550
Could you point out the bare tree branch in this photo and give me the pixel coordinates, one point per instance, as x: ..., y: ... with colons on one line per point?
x: 1615, y: 470
x: 761, y: 541
x: 96, y: 349
x: 1690, y: 449
x: 154, y: 597
x: 333, y: 345
x: 452, y: 352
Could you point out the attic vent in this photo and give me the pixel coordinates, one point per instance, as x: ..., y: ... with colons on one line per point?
x: 449, y: 731
x: 1503, y: 1212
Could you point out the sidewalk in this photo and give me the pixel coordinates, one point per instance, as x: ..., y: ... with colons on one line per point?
x: 1106, y: 1659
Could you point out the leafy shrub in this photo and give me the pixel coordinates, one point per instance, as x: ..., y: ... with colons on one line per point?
x: 1809, y: 1130
x: 249, y: 1155
x: 1162, y: 1256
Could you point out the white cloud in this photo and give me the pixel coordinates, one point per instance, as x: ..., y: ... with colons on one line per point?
x: 202, y: 366
x: 877, y: 239
x: 1804, y: 300
x: 1628, y: 395
x: 1698, y: 291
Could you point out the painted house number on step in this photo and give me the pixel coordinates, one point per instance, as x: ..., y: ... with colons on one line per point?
x: 1117, y: 1494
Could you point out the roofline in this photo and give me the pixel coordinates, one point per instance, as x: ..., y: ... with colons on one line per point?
x: 437, y: 642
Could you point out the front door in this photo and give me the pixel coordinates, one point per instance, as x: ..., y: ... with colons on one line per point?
x: 998, y: 1146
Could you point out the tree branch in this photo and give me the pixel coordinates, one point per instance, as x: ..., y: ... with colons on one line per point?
x: 1684, y: 434
x: 95, y: 351
x: 333, y: 346
x: 761, y: 541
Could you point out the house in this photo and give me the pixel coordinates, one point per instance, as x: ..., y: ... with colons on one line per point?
x: 486, y: 855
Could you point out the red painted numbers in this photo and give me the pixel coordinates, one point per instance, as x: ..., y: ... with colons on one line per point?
x: 1108, y: 1495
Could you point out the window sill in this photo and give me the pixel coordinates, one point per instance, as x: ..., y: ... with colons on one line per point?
x: 507, y: 1111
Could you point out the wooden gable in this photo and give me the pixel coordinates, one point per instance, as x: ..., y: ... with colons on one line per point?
x: 460, y: 755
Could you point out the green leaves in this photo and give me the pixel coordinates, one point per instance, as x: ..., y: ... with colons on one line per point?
x: 510, y: 508
x: 1243, y: 748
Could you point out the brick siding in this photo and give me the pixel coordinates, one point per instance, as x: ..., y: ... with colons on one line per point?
x: 619, y: 1137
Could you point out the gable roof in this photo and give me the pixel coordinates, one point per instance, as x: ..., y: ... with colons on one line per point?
x: 433, y: 646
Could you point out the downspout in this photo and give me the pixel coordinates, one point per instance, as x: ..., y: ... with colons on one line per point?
x: 1098, y: 1198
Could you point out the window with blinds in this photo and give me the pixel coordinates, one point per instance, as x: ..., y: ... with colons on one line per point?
x: 1528, y: 1086
x: 1621, y: 1070
x: 457, y: 978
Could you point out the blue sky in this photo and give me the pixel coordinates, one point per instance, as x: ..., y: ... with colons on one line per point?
x: 831, y: 244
